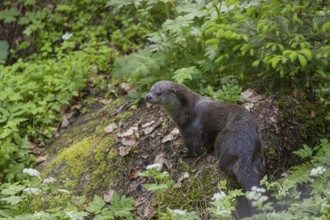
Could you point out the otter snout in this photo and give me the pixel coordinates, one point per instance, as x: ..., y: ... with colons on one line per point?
x: 148, y: 98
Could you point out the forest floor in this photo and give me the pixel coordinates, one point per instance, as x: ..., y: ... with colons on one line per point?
x: 145, y: 135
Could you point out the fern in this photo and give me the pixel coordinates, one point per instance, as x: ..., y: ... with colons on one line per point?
x: 184, y: 74
x: 304, y: 152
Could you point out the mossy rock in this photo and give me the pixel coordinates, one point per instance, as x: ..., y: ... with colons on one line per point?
x: 85, y: 156
x: 92, y: 165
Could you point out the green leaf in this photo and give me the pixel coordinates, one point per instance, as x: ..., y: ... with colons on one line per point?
x: 183, y: 74
x: 302, y: 60
x: 121, y: 207
x: 275, y: 61
x: 96, y: 205
x: 155, y: 187
x: 256, y: 63
x: 12, y: 189
x: 28, y: 2
x: 326, y: 27
x: 307, y: 53
x: 304, y: 152
x: 4, y: 47
x: 12, y: 200
x: 9, y: 15
x: 292, y: 55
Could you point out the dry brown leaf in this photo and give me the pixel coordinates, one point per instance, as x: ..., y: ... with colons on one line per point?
x: 65, y: 121
x: 147, y: 124
x: 247, y: 93
x: 171, y: 135
x: 110, y: 128
x: 133, y: 173
x: 126, y: 87
x: 162, y: 159
x: 129, y: 137
x: 248, y: 106
x: 104, y: 101
x: 129, y: 140
x: 40, y: 160
x: 146, y: 206
x: 151, y: 126
x: 107, y: 196
x: 76, y: 107
x: 131, y: 131
x: 255, y: 99
x: 123, y: 151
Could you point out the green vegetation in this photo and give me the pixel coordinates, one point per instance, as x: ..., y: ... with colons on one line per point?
x: 49, y: 50
x: 54, y: 203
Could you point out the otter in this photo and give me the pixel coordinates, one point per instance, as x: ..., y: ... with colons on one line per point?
x: 205, y: 125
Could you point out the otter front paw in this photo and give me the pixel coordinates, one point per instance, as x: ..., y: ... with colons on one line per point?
x: 185, y: 153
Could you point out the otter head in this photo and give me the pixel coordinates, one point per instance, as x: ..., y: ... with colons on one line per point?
x: 163, y: 93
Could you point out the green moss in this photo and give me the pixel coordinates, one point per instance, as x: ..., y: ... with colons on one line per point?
x: 122, y: 116
x: 91, y: 164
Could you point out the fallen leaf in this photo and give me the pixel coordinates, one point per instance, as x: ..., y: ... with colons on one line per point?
x: 147, y: 124
x: 107, y: 196
x: 65, y: 121
x: 128, y: 140
x: 272, y: 119
x: 151, y: 126
x: 129, y: 137
x: 247, y: 93
x: 146, y: 205
x: 126, y: 87
x: 40, y: 160
x: 255, y: 99
x: 148, y: 130
x: 162, y: 159
x: 104, y: 101
x: 76, y: 107
x: 171, y: 135
x: 248, y: 106
x: 128, y: 132
x: 133, y: 173
x: 123, y: 151
x: 110, y: 128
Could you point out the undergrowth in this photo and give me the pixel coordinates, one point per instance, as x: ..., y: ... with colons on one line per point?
x: 48, y: 50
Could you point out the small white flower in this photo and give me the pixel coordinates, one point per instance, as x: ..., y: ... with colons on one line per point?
x: 49, y: 180
x: 218, y: 196
x: 263, y: 199
x: 158, y: 166
x: 66, y: 36
x: 31, y: 172
x: 34, y: 191
x: 283, y: 192
x: 251, y: 195
x: 39, y: 215
x: 318, y: 171
x: 179, y: 212
x: 137, y: 3
x: 72, y: 215
x: 258, y: 189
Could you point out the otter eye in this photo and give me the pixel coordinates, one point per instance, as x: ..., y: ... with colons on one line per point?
x: 158, y: 93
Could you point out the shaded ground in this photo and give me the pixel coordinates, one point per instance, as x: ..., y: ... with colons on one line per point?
x: 105, y: 149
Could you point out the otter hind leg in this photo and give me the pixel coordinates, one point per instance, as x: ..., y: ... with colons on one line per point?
x: 235, y: 151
